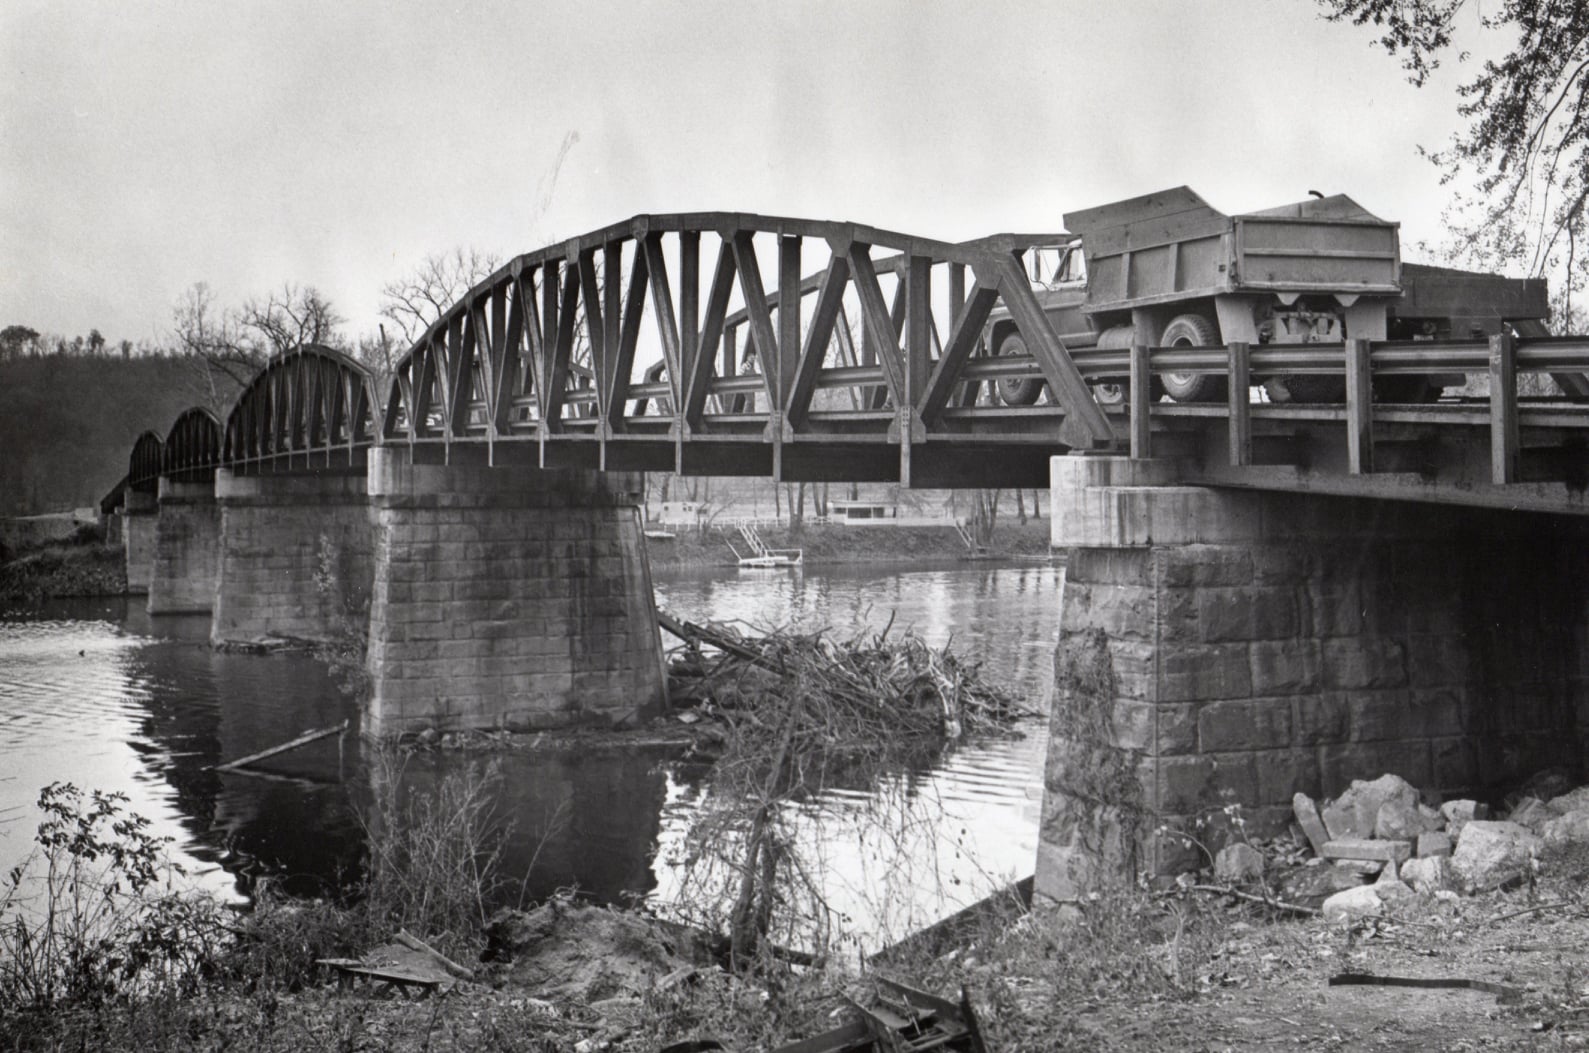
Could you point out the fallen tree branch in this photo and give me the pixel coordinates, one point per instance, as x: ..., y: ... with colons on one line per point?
x: 1226, y: 890
x: 302, y: 740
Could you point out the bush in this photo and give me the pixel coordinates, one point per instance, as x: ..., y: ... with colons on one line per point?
x: 94, y: 912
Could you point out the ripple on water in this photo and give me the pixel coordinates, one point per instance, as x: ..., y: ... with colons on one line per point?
x: 61, y: 683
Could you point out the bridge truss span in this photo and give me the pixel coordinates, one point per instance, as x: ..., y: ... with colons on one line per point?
x: 697, y: 343
x: 308, y: 408
x: 192, y: 449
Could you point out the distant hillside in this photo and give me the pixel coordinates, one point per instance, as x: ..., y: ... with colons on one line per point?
x: 68, y: 422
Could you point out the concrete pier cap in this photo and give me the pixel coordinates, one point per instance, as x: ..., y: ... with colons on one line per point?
x: 1224, y: 647
x: 508, y: 597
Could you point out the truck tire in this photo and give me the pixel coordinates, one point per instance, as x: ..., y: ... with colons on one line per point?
x: 1192, y: 330
x: 1017, y: 392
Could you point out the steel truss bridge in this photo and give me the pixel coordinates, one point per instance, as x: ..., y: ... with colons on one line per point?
x: 734, y: 344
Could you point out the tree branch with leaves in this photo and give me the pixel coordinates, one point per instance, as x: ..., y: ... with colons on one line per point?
x: 1520, y: 170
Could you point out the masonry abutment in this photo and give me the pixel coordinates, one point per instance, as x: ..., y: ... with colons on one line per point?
x: 508, y: 597
x: 187, y: 539
x: 138, y: 514
x: 295, y: 556
x: 1236, y: 647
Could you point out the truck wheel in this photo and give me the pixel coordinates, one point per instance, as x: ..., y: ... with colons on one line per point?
x: 1017, y: 392
x: 1112, y: 393
x: 1192, y: 330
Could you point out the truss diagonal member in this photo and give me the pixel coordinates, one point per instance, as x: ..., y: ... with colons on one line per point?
x: 662, y: 307
x: 764, y: 337
x: 830, y: 302
x: 962, y: 342
x: 1085, y: 426
x: 878, y: 320
x: 698, y: 374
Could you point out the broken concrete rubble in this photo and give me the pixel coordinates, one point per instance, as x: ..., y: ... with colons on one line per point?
x: 1355, y: 813
x: 1455, y: 847
x: 1490, y: 853
x: 1238, y: 863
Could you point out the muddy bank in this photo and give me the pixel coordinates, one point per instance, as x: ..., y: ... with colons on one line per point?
x: 63, y: 570
x: 827, y: 544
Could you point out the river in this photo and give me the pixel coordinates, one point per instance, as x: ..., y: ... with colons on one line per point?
x: 99, y: 694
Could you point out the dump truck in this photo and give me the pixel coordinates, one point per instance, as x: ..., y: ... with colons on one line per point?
x: 1169, y: 270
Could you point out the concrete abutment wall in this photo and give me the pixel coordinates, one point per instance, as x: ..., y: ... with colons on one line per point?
x: 1224, y: 647
x: 508, y: 597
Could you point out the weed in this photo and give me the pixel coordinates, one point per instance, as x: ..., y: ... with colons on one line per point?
x: 95, y: 911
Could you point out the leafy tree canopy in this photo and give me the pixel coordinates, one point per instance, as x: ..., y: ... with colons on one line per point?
x: 1520, y: 170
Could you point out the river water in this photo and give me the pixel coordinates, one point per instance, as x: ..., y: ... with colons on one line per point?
x: 99, y: 694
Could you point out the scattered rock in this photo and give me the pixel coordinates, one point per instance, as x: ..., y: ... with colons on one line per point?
x: 1392, y: 891
x: 1362, y: 848
x: 1238, y: 863
x: 1434, y: 843
x: 1459, y: 813
x: 1531, y: 813
x: 1353, y: 814
x: 1573, y: 801
x: 1428, y: 874
x: 1491, y: 853
x: 1552, y: 782
x: 1311, y: 885
x: 1388, y: 874
x: 1363, y: 868
x: 1572, y: 828
x: 1307, y: 814
x: 1401, y: 821
x: 1360, y: 902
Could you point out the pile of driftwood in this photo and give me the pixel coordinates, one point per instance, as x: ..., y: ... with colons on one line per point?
x: 846, y: 692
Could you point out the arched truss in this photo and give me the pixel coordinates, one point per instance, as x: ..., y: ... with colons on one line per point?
x: 143, y: 467
x: 192, y: 449
x: 620, y: 349
x: 307, y: 408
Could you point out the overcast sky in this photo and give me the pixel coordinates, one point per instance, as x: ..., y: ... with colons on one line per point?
x: 149, y: 145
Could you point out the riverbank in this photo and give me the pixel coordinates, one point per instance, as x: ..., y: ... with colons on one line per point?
x: 1133, y: 972
x: 61, y: 570
x: 828, y: 544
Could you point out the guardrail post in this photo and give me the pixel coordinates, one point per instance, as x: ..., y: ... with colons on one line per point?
x: 1141, y: 392
x: 1359, y: 408
x: 1504, y: 439
x: 1240, y: 406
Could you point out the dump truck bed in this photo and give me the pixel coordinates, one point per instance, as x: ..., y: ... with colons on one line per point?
x: 1172, y: 246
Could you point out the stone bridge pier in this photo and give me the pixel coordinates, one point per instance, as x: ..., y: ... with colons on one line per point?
x: 294, y: 558
x: 1225, y: 647
x: 507, y: 597
x: 139, y: 514
x: 187, y: 537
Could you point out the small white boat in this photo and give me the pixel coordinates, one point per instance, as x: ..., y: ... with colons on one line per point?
x: 773, y: 559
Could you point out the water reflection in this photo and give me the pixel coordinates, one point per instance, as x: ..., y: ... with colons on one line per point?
x: 99, y: 694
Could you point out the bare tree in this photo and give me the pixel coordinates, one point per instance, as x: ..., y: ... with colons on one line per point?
x: 293, y: 317
x: 222, y: 356
x: 414, y: 302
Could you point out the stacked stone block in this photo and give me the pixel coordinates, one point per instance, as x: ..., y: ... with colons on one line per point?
x: 1268, y: 644
x: 294, y: 559
x: 138, y: 515
x: 186, y: 549
x: 514, y: 598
